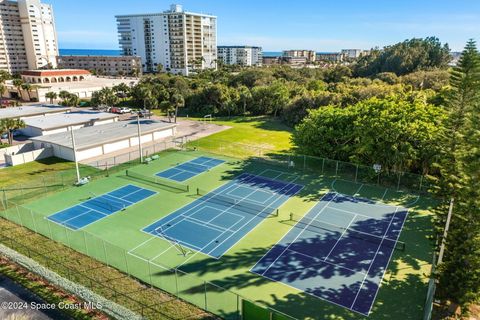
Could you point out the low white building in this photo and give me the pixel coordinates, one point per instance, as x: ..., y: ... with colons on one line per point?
x: 25, y: 112
x: 56, y: 123
x: 104, y: 139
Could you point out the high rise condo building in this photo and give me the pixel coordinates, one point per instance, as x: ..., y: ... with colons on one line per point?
x: 175, y: 41
x: 28, y: 39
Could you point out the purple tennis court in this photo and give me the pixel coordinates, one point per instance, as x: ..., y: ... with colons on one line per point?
x: 339, y: 251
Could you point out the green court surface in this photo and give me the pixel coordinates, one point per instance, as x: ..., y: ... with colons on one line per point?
x: 220, y: 285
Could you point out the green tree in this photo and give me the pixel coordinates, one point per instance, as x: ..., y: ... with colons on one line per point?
x: 178, y: 101
x: 405, y: 57
x: 401, y: 135
x: 18, y: 83
x: 51, y: 95
x: 9, y: 126
x: 459, y: 164
x: 27, y: 87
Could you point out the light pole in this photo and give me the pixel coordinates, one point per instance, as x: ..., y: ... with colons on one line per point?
x: 75, y: 154
x: 139, y: 131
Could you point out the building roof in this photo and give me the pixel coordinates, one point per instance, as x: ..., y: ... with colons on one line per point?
x: 55, y: 72
x: 30, y: 111
x: 88, y: 137
x: 62, y: 120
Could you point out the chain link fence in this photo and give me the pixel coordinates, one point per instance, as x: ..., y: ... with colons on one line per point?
x: 322, y: 166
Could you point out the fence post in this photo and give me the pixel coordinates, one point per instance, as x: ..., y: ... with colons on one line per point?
x: 205, y: 288
x: 336, y: 170
x: 356, y: 174
x: 421, y: 183
x: 85, y: 241
x: 150, y: 273
x: 398, y: 183
x: 304, y: 162
x: 126, y: 261
x: 176, y: 283
x: 323, y: 164
x: 33, y: 221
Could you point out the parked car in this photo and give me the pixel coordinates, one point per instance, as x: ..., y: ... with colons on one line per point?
x: 115, y: 110
x: 125, y: 110
x: 144, y: 113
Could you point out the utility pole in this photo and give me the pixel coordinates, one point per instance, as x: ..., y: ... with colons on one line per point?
x: 75, y: 154
x: 445, y: 232
x: 139, y: 138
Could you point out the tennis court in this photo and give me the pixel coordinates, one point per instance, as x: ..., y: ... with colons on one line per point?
x: 190, y: 169
x: 99, y: 207
x: 215, y: 222
x: 339, y: 251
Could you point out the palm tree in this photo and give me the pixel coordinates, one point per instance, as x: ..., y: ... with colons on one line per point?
x: 27, y: 87
x: 18, y: 85
x: 178, y: 101
x: 51, y: 95
x: 73, y: 100
x: 9, y: 126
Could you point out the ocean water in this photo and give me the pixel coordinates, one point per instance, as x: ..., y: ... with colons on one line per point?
x: 272, y: 54
x: 89, y: 52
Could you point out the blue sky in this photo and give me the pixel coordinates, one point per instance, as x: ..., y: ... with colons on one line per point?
x: 277, y: 24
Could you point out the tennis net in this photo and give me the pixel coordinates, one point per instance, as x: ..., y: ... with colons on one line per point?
x: 317, y: 226
x: 158, y: 181
x: 242, y: 204
x: 102, y: 202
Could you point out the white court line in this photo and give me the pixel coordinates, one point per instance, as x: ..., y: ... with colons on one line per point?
x: 321, y: 261
x: 341, y: 236
x: 386, y: 267
x: 196, y: 206
x: 255, y: 216
x: 207, y: 197
x: 143, y: 243
x: 280, y: 240
x: 373, y: 259
x: 301, y: 232
x: 205, y: 224
x: 351, y: 212
x: 358, y: 191
x: 117, y: 200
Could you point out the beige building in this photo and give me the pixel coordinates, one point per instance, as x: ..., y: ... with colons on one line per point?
x: 175, y: 41
x: 78, y: 82
x: 28, y: 39
x: 330, y: 56
x: 309, y: 55
x: 103, y: 65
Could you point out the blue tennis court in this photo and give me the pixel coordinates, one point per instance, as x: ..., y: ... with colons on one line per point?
x: 99, y: 207
x: 215, y: 222
x: 339, y: 251
x: 190, y: 169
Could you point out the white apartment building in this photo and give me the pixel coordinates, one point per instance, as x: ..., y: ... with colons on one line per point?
x: 352, y: 53
x: 175, y: 41
x: 240, y: 55
x: 28, y: 39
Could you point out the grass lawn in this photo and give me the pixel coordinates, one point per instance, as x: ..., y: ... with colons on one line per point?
x: 47, y: 171
x: 258, y: 134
